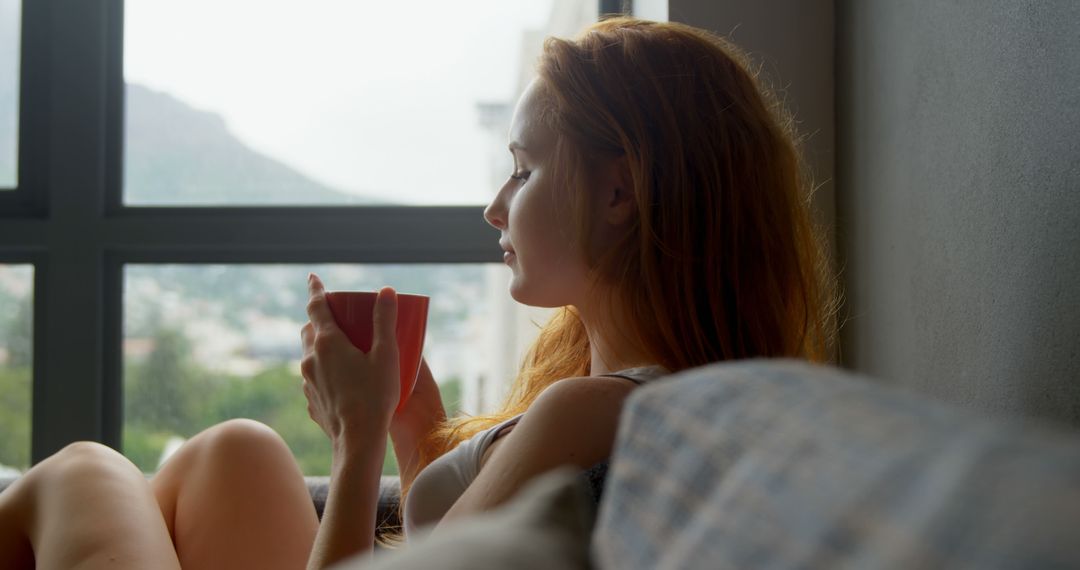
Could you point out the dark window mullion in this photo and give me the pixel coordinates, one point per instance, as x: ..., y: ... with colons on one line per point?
x: 112, y: 403
x: 416, y: 234
x: 68, y: 376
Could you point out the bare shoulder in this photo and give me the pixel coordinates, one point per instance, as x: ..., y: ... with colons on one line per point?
x: 587, y: 387
x: 588, y: 406
x: 573, y: 422
x: 580, y: 403
x: 583, y: 409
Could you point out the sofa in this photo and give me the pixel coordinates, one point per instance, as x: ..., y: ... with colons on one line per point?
x: 780, y: 464
x: 784, y: 464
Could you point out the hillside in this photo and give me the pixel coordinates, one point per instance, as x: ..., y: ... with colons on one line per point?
x: 179, y: 155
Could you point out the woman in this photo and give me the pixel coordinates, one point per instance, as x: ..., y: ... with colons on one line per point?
x: 657, y: 197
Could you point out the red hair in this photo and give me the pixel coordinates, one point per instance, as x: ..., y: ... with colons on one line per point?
x: 722, y: 261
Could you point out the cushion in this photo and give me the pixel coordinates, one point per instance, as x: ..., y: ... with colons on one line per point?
x: 387, y: 512
x: 781, y: 464
x: 547, y: 525
x: 319, y: 486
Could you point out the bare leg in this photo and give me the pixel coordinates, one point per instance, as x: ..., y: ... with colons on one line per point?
x: 234, y: 497
x: 15, y: 550
x: 85, y: 507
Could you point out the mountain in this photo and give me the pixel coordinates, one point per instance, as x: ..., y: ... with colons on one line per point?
x: 175, y: 154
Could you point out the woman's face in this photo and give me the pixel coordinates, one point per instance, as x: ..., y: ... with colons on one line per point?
x: 548, y: 269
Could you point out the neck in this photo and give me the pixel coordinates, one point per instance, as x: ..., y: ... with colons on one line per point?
x: 610, y: 352
x: 607, y: 363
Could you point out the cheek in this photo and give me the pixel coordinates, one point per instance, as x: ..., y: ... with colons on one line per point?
x: 536, y: 229
x: 521, y: 217
x: 531, y: 226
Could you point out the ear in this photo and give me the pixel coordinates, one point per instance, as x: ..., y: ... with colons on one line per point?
x: 619, y: 205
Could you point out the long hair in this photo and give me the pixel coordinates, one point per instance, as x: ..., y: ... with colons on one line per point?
x: 722, y: 261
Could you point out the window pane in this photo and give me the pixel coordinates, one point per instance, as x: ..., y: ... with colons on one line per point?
x: 16, y: 358
x: 206, y: 343
x: 329, y: 101
x: 10, y: 24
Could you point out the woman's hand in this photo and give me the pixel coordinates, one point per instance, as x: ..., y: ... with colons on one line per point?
x: 411, y: 426
x: 422, y: 410
x: 350, y: 394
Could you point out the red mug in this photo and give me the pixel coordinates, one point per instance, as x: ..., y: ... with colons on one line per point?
x: 354, y: 312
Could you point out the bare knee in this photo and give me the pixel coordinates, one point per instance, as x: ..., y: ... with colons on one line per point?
x: 89, y: 450
x: 81, y: 469
x: 86, y: 460
x: 89, y: 502
x: 243, y: 434
x: 242, y: 442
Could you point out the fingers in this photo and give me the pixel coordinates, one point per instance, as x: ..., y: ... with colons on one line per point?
x: 309, y: 393
x: 318, y: 309
x: 424, y: 373
x: 307, y: 332
x: 385, y: 326
x: 307, y: 368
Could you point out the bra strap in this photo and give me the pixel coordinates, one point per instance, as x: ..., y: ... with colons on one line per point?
x: 637, y: 381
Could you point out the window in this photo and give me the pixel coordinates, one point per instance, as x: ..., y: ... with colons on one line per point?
x: 341, y: 102
x: 94, y: 219
x: 16, y: 361
x: 205, y: 343
x: 10, y: 16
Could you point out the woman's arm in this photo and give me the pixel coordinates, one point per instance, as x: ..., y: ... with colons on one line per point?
x: 351, y: 505
x: 421, y: 413
x: 573, y: 422
x: 352, y: 396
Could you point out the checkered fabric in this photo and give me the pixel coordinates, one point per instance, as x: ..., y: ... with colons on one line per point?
x: 780, y: 464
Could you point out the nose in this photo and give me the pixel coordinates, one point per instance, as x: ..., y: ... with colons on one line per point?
x: 495, y: 213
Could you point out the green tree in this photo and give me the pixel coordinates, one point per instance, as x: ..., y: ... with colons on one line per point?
x: 275, y: 397
x: 15, y: 417
x: 15, y: 377
x: 20, y: 333
x: 162, y: 392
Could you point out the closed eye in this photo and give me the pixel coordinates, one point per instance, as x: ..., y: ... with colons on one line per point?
x: 521, y: 177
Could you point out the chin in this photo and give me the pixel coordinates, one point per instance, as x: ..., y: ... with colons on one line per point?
x: 521, y: 293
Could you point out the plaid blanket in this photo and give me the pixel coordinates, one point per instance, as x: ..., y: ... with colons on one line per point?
x: 781, y: 464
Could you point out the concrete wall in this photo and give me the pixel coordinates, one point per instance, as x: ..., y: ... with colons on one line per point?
x: 792, y: 41
x: 958, y: 199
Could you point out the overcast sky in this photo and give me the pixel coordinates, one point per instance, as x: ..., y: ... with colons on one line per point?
x: 367, y: 97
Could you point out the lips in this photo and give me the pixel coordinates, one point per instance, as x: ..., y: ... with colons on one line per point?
x: 508, y: 252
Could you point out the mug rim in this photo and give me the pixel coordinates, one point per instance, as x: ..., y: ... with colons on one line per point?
x: 418, y: 295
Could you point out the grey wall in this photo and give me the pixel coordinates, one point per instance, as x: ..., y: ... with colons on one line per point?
x: 958, y: 199
x: 792, y: 42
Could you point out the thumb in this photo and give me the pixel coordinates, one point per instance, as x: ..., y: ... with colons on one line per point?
x: 385, y: 316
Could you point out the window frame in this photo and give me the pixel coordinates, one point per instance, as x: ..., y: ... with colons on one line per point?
x: 67, y: 218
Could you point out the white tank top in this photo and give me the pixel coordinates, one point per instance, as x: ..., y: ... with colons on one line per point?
x: 439, y: 485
